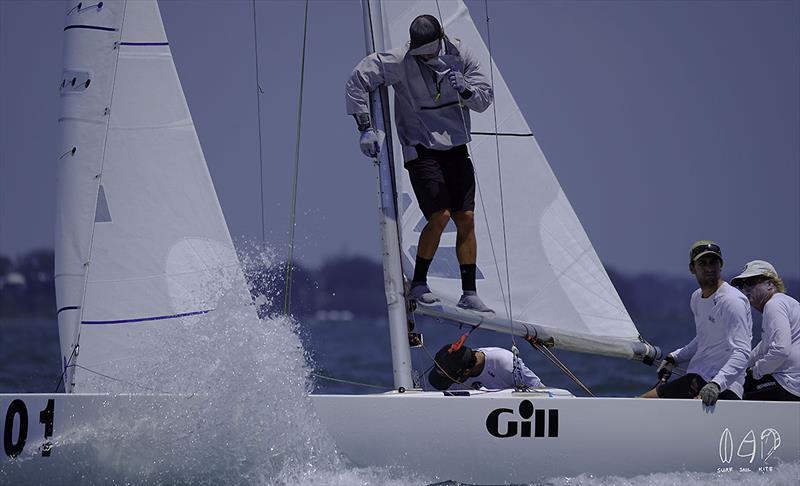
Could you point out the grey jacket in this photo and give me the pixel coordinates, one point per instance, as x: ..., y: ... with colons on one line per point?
x: 421, y: 118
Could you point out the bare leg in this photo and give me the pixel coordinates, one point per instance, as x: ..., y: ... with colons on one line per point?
x: 466, y: 244
x: 650, y: 394
x: 432, y: 233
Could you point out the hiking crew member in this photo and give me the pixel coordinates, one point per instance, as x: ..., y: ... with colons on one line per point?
x: 773, y: 371
x: 436, y: 83
x: 482, y: 368
x: 718, y: 354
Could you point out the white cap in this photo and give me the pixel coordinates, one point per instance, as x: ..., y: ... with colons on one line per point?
x: 755, y: 269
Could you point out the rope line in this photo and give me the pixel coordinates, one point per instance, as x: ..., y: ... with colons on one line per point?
x: 554, y: 359
x: 293, y: 212
x: 349, y: 382
x: 259, y: 92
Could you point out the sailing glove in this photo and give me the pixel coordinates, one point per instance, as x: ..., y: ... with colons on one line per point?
x: 709, y: 394
x: 457, y: 80
x: 665, y: 369
x: 371, y: 141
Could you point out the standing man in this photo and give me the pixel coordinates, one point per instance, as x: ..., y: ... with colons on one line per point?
x: 773, y: 372
x: 436, y: 83
x: 718, y: 354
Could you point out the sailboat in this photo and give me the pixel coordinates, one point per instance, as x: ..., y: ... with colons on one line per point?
x: 538, y: 270
x: 143, y: 253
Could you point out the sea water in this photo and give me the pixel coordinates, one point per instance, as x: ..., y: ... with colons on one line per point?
x: 250, y: 420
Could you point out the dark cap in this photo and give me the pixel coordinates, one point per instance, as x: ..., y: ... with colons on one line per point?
x: 424, y: 29
x: 450, y: 365
x: 704, y: 247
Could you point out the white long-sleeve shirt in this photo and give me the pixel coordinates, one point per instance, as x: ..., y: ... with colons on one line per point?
x: 778, y: 352
x: 499, y: 371
x: 721, y: 349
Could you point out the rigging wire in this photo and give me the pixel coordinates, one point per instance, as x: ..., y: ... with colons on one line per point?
x: 499, y: 172
x: 349, y: 382
x: 480, y: 193
x: 293, y: 212
x: 506, y: 298
x: 259, y: 92
x: 554, y: 359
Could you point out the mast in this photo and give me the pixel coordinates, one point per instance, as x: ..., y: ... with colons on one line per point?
x: 390, y: 234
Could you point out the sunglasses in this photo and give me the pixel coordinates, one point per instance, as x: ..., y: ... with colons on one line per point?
x: 707, y: 247
x: 749, y: 282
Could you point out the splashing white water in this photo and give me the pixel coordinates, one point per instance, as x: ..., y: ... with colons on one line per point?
x: 239, y: 413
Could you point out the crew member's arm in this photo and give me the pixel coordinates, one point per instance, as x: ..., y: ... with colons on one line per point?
x: 684, y: 354
x: 738, y: 327
x: 375, y: 70
x: 529, y: 378
x: 776, y: 341
x: 478, y: 94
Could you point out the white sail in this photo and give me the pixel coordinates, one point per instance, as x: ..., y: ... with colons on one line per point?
x: 141, y: 240
x: 552, y: 278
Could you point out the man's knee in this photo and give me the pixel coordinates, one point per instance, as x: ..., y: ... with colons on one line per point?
x: 465, y: 220
x: 438, y: 220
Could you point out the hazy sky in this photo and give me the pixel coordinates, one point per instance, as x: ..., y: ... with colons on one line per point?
x: 665, y: 122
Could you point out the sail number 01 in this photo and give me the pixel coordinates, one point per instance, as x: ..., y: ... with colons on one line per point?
x: 18, y: 412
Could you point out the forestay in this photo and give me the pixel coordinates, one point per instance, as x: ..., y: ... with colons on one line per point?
x: 556, y: 282
x: 141, y: 241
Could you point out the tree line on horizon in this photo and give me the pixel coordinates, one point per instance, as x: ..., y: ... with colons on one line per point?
x: 342, y: 283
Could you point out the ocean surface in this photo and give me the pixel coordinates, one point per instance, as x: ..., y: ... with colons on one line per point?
x: 283, y: 358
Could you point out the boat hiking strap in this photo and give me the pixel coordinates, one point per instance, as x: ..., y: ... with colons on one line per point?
x: 287, y: 295
x: 259, y: 92
x: 554, y: 359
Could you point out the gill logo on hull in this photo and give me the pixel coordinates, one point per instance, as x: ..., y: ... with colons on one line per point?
x: 501, y: 422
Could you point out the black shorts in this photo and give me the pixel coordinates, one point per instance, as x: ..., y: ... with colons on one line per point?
x: 767, y: 388
x: 688, y: 386
x: 442, y: 179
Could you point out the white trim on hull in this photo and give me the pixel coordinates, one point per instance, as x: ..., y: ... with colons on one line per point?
x: 600, y: 436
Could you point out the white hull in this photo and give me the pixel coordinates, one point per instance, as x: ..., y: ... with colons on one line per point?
x: 91, y: 435
x: 448, y: 437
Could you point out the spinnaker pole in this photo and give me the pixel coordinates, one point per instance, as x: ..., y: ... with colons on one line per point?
x: 388, y: 222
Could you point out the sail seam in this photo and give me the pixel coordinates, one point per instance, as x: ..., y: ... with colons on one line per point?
x: 145, y: 319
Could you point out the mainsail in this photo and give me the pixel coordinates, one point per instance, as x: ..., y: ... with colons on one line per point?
x: 538, y: 271
x: 141, y: 241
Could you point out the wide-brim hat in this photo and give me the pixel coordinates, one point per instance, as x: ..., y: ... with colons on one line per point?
x: 702, y: 248
x: 756, y: 268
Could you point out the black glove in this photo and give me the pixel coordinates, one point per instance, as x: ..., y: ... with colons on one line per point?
x: 709, y: 394
x: 749, y: 381
x: 665, y: 369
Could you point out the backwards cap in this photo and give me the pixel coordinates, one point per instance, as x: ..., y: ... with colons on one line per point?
x: 425, y: 32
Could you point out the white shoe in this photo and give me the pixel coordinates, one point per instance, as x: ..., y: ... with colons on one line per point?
x: 471, y: 301
x: 421, y: 293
